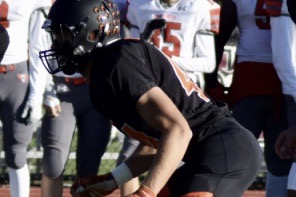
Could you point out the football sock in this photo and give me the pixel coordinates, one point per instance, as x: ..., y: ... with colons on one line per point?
x: 19, y: 181
x: 276, y: 186
x: 292, y: 177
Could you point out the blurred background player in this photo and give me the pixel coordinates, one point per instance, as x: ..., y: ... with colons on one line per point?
x: 218, y: 82
x: 191, y: 45
x: 255, y: 95
x: 283, y: 43
x: 289, y: 135
x: 188, y: 36
x: 21, y: 100
x: 66, y: 110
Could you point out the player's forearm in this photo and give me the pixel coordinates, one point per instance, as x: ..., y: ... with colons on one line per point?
x: 198, y: 64
x: 141, y: 160
x: 161, y: 113
x: 204, y: 59
x: 169, y: 155
x: 37, y: 81
x: 38, y: 41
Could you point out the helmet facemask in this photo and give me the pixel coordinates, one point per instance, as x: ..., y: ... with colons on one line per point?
x: 61, y: 52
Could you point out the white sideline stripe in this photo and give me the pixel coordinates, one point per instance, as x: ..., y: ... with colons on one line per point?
x: 38, y: 155
x: 107, y: 156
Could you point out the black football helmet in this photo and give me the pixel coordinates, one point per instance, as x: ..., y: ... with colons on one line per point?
x: 76, y: 28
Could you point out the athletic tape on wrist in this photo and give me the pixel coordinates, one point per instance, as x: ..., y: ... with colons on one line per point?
x: 122, y: 174
x: 51, y: 101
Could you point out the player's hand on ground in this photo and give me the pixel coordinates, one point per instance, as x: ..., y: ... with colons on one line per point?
x: 286, y: 144
x: 94, y: 186
x: 143, y: 191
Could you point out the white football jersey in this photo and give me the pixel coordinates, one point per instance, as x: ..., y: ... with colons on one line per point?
x: 277, y: 7
x: 292, y: 177
x: 254, y: 27
x: 26, y: 39
x: 188, y: 35
x: 122, y: 6
x: 283, y: 33
x: 15, y: 15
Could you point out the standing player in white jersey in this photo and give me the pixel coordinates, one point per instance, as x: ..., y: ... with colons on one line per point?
x: 21, y: 97
x: 188, y: 35
x: 65, y: 112
x: 283, y: 43
x: 286, y: 143
x: 255, y: 95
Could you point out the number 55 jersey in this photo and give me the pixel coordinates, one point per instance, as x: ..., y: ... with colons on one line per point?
x: 188, y: 35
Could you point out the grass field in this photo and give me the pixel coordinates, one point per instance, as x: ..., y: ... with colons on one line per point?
x: 35, y: 162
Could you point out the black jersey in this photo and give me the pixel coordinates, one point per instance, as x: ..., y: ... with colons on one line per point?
x: 4, y: 37
x: 125, y: 70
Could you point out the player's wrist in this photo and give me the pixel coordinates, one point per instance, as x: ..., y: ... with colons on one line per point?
x: 122, y: 174
x: 51, y: 101
x: 146, y: 191
x: 143, y: 191
x: 110, y: 183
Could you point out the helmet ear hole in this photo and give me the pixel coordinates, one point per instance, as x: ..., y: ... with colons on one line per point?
x: 69, y: 69
x: 92, y: 36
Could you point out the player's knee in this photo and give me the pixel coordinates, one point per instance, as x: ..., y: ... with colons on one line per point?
x: 52, y: 174
x: 52, y: 171
x: 53, y: 164
x: 15, y: 161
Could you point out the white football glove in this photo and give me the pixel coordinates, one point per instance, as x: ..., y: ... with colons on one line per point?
x: 94, y: 186
x: 32, y: 112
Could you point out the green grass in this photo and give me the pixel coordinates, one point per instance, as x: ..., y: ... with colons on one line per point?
x: 114, y: 146
x: 35, y: 164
